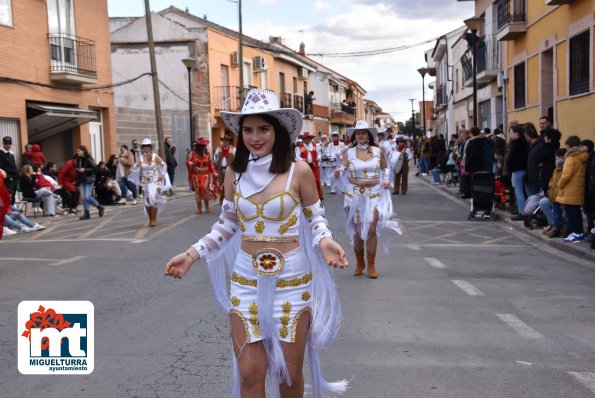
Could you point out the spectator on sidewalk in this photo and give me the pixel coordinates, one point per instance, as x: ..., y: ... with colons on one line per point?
x: 25, y: 159
x: 50, y: 170
x: 589, y: 203
x: 170, y: 160
x: 67, y: 180
x: 85, y: 167
x: 17, y: 221
x: 8, y: 163
x: 535, y: 144
x: 125, y: 162
x: 547, y: 157
x: 551, y: 208
x: 544, y: 125
x: 517, y: 168
x: 499, y: 151
x: 474, y: 152
x: 28, y: 184
x: 571, y: 187
x: 464, y: 177
x: 112, y: 166
x: 36, y: 156
x: 4, y: 203
x: 424, y: 162
x: 107, y: 192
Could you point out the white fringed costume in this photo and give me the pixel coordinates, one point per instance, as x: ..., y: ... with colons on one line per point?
x: 360, y: 202
x: 154, y: 180
x: 269, y: 290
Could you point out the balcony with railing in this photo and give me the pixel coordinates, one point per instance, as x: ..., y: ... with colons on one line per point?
x: 285, y: 99
x: 342, y: 114
x: 72, y: 59
x: 298, y: 102
x: 226, y: 98
x: 512, y: 19
x: 488, y: 62
x: 441, y: 96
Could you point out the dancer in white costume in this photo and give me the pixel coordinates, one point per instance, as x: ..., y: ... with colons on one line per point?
x: 335, y: 151
x: 274, y: 244
x: 150, y: 171
x: 367, y: 200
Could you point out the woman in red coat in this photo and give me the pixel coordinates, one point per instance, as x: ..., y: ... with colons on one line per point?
x: 69, y: 191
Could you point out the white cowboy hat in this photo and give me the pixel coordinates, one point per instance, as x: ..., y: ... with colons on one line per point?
x: 362, y: 125
x: 335, y: 133
x: 147, y: 141
x: 265, y: 102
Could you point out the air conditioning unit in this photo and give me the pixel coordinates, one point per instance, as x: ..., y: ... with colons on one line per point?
x: 502, y: 78
x: 303, y: 73
x: 259, y: 64
x: 235, y: 58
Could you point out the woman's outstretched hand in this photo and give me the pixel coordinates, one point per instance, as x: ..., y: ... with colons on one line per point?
x: 333, y: 253
x: 178, y: 266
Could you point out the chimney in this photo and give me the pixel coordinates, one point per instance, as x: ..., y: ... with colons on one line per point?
x: 275, y: 40
x: 302, y: 49
x: 204, y: 17
x: 187, y: 10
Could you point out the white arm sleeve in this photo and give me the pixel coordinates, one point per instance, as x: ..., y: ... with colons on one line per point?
x: 221, y: 232
x: 317, y: 222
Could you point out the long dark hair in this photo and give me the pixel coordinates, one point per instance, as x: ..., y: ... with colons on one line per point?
x: 85, y: 150
x: 283, y: 156
x: 371, y: 141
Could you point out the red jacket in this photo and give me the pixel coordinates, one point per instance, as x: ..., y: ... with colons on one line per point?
x: 36, y: 155
x: 67, y: 176
x: 41, y: 182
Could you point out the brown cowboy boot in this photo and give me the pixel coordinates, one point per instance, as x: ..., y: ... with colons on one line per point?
x: 153, y: 217
x: 371, y: 265
x: 360, y: 263
x: 207, y: 208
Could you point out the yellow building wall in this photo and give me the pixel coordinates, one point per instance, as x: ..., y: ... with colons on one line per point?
x: 554, y: 24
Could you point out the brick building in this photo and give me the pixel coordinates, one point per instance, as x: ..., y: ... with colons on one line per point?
x: 52, y: 56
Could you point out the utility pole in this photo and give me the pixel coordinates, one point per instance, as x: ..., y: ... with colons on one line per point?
x: 241, y: 41
x: 156, y: 96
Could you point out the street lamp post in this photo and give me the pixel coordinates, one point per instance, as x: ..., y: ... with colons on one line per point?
x: 189, y: 63
x: 474, y: 24
x: 412, y: 119
x: 422, y: 72
x: 241, y: 48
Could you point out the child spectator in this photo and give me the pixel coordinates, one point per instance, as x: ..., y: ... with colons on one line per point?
x: 551, y: 208
x: 36, y: 157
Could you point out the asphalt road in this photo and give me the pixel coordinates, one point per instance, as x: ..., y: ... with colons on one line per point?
x: 460, y: 309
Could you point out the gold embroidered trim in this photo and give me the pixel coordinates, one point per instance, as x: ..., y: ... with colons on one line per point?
x: 253, y: 310
x: 235, y: 301
x: 242, y: 226
x: 259, y: 207
x: 305, y: 296
x: 308, y: 212
x: 259, y: 227
x: 285, y: 319
x: 290, y: 223
x: 295, y: 322
x: 276, y: 239
x: 281, y: 283
x: 376, y: 195
x: 241, y: 316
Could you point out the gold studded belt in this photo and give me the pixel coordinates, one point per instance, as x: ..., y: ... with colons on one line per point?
x: 275, y: 239
x: 147, y: 179
x: 281, y: 283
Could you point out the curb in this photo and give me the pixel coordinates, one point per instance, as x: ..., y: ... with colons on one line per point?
x: 582, y: 250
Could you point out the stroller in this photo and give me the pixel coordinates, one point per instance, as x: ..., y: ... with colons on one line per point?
x: 482, y: 195
x: 535, y: 217
x: 452, y: 179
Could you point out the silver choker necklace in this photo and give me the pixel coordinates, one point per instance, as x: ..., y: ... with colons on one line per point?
x: 363, y: 146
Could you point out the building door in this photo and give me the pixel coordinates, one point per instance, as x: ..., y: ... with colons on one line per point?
x: 547, y: 84
x: 96, y: 136
x: 225, y: 89
x: 247, y: 75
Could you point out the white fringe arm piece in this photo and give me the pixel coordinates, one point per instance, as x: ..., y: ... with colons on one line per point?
x: 318, y: 223
x: 221, y: 232
x: 341, y: 170
x: 385, y: 175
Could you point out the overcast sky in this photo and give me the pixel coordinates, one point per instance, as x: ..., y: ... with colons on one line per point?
x: 339, y: 26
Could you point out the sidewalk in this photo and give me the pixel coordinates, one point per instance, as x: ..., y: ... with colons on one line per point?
x: 581, y: 249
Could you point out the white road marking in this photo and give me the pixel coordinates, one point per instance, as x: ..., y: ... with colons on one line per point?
x: 524, y: 363
x: 434, y: 262
x: 468, y: 288
x: 471, y: 246
x: 414, y: 247
x: 519, y: 326
x: 68, y: 260
x: 587, y: 379
x: 26, y: 259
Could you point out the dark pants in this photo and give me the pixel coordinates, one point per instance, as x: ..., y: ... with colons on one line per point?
x: 126, y: 185
x: 11, y: 187
x: 402, y: 179
x: 171, y: 171
x: 573, y: 218
x: 69, y: 199
x: 465, y: 185
x: 589, y: 210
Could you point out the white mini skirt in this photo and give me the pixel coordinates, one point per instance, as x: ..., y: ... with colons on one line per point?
x: 292, y: 276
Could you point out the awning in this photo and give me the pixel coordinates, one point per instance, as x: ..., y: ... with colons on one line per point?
x: 48, y: 120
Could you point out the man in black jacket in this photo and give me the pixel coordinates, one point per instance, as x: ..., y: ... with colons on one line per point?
x: 533, y: 182
x: 170, y: 161
x: 547, y: 157
x: 9, y: 165
x: 474, y: 159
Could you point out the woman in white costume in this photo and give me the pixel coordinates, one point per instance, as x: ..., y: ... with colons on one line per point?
x: 367, y: 201
x: 274, y: 244
x: 150, y: 171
